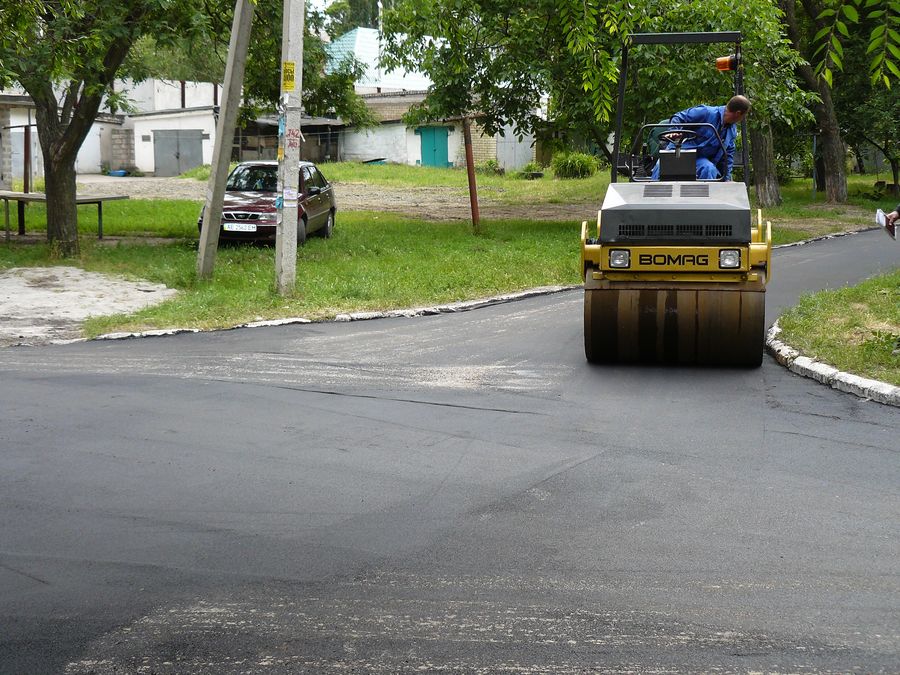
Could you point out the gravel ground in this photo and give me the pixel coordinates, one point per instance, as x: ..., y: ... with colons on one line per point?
x: 427, y: 203
x: 39, y: 305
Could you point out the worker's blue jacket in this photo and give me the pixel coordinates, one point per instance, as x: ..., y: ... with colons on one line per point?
x: 707, y: 144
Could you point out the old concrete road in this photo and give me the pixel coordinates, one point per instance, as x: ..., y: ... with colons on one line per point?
x: 456, y: 493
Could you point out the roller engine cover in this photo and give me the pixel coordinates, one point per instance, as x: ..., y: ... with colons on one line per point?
x: 675, y: 213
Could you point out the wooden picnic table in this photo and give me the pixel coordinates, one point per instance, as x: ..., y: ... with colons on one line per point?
x: 31, y: 197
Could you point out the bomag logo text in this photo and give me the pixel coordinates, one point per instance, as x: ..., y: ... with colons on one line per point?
x: 668, y: 259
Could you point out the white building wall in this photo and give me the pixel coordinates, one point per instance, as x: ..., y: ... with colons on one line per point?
x: 456, y: 144
x: 413, y: 147
x: 388, y: 141
x: 395, y: 142
x: 140, y: 95
x: 167, y: 94
x: 89, y: 157
x: 17, y: 118
x: 144, y: 127
x: 157, y: 95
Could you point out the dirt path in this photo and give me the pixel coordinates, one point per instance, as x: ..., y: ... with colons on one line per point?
x: 427, y: 203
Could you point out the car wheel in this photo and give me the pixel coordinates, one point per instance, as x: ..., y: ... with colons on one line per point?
x: 301, y: 231
x: 328, y: 230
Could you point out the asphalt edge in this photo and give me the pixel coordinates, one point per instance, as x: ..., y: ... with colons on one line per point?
x: 784, y: 354
x: 451, y: 308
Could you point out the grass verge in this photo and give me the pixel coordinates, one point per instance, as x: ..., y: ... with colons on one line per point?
x: 374, y: 261
x: 854, y: 329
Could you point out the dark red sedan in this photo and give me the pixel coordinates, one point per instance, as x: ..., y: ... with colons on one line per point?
x: 249, y: 212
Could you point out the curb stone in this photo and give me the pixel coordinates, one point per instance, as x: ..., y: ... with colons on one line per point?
x: 794, y: 361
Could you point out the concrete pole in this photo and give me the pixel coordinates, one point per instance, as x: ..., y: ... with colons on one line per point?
x: 231, y: 103
x: 289, y: 137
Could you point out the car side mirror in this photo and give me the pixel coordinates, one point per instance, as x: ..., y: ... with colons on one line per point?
x: 313, y: 190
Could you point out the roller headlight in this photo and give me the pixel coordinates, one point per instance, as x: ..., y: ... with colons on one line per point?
x: 729, y: 259
x: 620, y: 258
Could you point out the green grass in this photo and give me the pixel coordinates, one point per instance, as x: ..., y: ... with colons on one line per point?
x: 854, y: 329
x: 176, y: 218
x: 202, y: 172
x: 374, y: 261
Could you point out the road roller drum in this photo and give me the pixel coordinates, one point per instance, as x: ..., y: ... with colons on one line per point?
x: 674, y: 323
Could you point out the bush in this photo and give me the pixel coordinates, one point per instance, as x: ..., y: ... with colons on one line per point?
x: 530, y: 171
x: 490, y: 168
x: 574, y: 165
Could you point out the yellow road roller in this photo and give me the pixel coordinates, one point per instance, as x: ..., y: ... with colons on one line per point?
x: 676, y: 270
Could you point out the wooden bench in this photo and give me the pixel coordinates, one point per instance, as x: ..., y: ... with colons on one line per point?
x: 32, y: 197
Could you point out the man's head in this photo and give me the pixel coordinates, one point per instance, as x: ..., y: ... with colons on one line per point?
x: 736, y: 109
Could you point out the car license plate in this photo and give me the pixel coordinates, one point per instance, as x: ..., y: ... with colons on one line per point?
x: 240, y: 227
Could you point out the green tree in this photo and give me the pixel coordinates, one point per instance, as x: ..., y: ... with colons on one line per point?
x: 869, y: 112
x: 504, y: 59
x: 328, y: 89
x: 833, y: 21
x: 66, y: 54
x: 802, y: 26
x: 345, y: 15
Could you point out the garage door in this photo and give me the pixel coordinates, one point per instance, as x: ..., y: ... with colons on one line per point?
x: 176, y: 150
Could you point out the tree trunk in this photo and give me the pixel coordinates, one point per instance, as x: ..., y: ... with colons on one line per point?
x: 765, y: 177
x: 62, y: 211
x: 830, y: 144
x: 860, y: 164
x: 59, y: 181
x: 820, y: 173
x: 833, y: 154
x: 895, y: 171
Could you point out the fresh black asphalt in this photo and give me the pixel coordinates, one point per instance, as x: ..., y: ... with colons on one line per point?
x: 453, y: 493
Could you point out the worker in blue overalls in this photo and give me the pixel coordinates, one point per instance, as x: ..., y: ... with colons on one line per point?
x: 713, y: 160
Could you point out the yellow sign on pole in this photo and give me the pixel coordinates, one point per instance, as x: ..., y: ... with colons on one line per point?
x: 287, y: 76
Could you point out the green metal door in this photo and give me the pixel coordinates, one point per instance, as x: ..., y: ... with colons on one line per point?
x: 434, y: 146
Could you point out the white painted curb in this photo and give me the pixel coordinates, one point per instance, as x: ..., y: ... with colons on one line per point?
x: 822, y: 372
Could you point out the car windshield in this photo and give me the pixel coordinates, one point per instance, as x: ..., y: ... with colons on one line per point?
x: 253, y: 179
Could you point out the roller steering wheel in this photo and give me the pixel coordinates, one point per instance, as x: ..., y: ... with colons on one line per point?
x: 678, y: 136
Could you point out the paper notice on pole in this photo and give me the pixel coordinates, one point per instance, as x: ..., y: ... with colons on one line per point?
x: 290, y: 193
x: 882, y: 221
x: 287, y: 75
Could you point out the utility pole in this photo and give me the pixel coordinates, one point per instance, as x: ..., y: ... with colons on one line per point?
x: 289, y: 136
x: 231, y: 103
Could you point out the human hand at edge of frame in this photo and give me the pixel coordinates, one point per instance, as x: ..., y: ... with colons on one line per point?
x: 891, y: 217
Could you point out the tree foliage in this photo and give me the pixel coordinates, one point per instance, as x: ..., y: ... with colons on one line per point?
x: 326, y: 91
x: 345, y: 15
x: 883, y: 30
x: 505, y: 59
x: 869, y: 112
